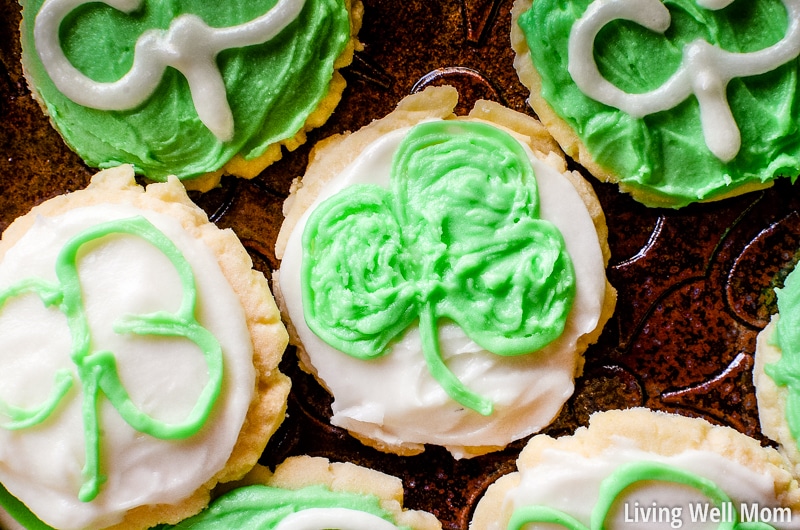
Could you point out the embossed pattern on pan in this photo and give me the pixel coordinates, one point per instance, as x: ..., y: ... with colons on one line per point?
x: 695, y: 285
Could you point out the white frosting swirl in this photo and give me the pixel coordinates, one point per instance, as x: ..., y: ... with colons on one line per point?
x: 119, y: 275
x: 395, y: 400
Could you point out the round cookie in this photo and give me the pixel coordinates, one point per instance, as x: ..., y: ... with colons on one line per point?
x: 775, y: 372
x: 193, y: 89
x: 677, y: 103
x: 312, y: 492
x: 139, y: 357
x: 442, y: 276
x: 641, y: 468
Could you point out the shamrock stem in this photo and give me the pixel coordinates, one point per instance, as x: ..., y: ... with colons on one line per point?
x: 429, y: 334
x: 91, y: 468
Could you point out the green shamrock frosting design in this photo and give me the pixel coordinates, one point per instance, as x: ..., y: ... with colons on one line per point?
x: 270, y: 82
x: 624, y: 478
x: 96, y: 370
x: 664, y: 155
x: 458, y: 236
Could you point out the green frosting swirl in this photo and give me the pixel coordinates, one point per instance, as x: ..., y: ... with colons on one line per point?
x: 97, y: 370
x: 271, y: 88
x: 458, y: 236
x: 664, y: 155
x: 265, y: 507
x: 786, y: 372
x: 623, y: 480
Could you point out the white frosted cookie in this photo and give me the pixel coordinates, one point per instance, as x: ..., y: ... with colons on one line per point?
x: 678, y: 102
x: 139, y: 353
x: 312, y: 492
x: 442, y: 276
x: 639, y: 468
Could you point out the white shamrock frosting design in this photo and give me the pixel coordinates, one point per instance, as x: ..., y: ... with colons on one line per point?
x: 189, y: 45
x: 705, y: 70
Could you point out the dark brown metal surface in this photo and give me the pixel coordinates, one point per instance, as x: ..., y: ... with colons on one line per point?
x: 695, y: 285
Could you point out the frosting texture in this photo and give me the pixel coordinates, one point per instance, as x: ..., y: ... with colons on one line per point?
x: 180, y: 87
x: 707, y: 91
x: 313, y: 507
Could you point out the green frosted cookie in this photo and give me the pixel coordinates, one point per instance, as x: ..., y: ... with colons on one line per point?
x: 186, y: 87
x: 312, y: 492
x: 679, y: 102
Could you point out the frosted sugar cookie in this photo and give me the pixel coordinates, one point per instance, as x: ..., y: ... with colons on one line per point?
x: 194, y: 89
x: 639, y: 468
x: 139, y: 355
x: 443, y: 275
x: 311, y: 492
x: 678, y: 102
x: 776, y: 372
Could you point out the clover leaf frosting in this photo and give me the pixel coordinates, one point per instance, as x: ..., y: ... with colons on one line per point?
x: 457, y: 236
